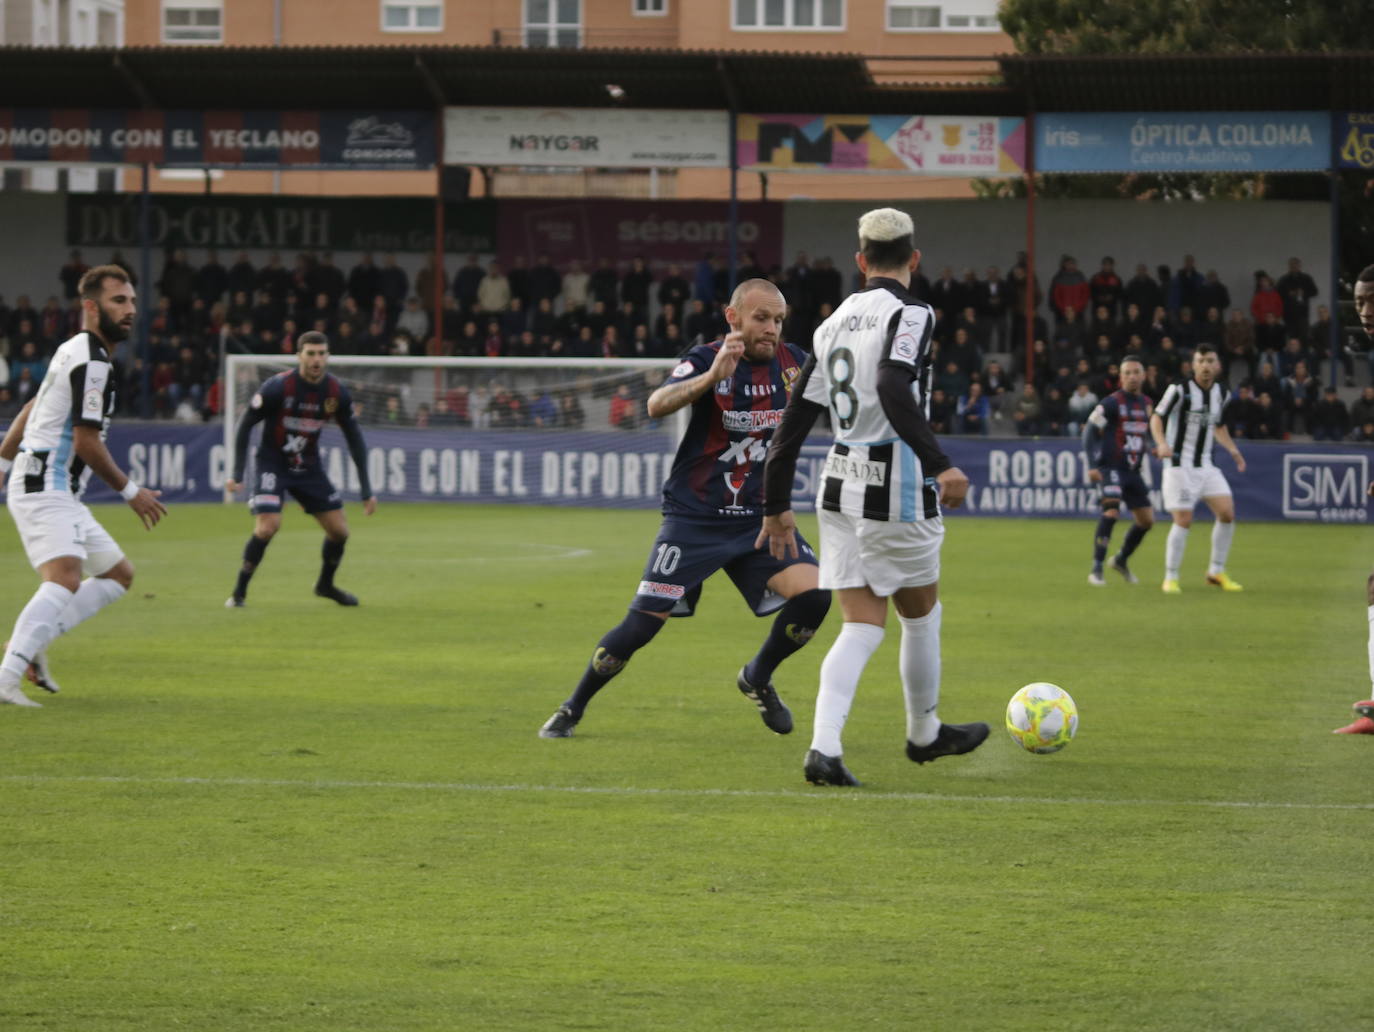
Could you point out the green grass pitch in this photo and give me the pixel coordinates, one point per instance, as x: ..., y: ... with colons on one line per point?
x: 297, y: 816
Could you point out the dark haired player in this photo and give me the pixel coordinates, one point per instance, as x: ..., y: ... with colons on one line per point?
x: 712, y: 507
x: 55, y: 443
x: 1364, y: 711
x: 1115, y: 440
x: 295, y: 406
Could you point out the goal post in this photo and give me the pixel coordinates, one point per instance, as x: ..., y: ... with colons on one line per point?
x: 558, y: 430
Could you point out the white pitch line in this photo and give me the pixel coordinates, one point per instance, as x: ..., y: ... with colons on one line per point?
x: 688, y: 793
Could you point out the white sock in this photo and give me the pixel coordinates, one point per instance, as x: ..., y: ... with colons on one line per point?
x: 1173, y: 551
x: 1371, y: 652
x: 920, y: 662
x: 94, y: 595
x: 1222, y: 533
x: 840, y: 672
x: 36, y: 626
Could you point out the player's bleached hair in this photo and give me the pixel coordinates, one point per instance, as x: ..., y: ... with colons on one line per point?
x: 311, y: 337
x: 92, y: 283
x: 750, y: 285
x: 886, y: 238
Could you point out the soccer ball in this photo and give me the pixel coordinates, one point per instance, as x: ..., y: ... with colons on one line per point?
x: 1042, y: 718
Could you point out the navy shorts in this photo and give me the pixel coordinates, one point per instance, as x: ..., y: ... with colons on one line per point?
x: 1123, y: 485
x: 685, y: 553
x: 308, y: 486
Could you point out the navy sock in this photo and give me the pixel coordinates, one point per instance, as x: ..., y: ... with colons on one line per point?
x: 252, y: 555
x: 796, y: 624
x: 613, y: 651
x: 1133, y: 538
x: 1102, y: 538
x: 332, y: 554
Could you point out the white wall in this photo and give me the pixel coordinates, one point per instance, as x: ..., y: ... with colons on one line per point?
x: 1235, y: 238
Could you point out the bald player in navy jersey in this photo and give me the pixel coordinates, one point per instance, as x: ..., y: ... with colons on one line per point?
x: 713, y: 506
x: 295, y: 406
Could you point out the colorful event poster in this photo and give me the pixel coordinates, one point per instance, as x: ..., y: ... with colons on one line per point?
x: 930, y: 145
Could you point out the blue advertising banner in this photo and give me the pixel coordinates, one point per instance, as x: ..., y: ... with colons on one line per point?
x: 1306, y: 483
x: 1354, y: 135
x: 1184, y: 141
x: 375, y: 139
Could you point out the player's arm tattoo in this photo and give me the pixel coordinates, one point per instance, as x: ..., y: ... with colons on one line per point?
x: 668, y: 399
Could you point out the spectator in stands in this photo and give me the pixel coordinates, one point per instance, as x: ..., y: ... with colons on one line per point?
x: 379, y: 325
x: 1296, y: 289
x: 9, y: 407
x: 829, y: 287
x: 514, y: 320
x: 518, y: 277
x: 635, y: 287
x: 1081, y: 404
x: 1270, y: 339
x: 671, y: 344
x: 327, y: 278
x: 1106, y: 288
x: 414, y: 320
x: 242, y: 277
x: 1025, y: 414
x: 1213, y: 294
x: 187, y: 384
x: 1268, y: 419
x: 946, y: 293
x: 1330, y: 419
x: 953, y: 379
x: 604, y: 285
x: 1300, y: 395
x: 466, y: 282
x: 275, y: 279
x: 1185, y: 331
x: 1267, y: 382
x: 1161, y: 326
x: 543, y: 412
x: 1242, y: 415
x: 1069, y: 289
x: 703, y: 279
x: 493, y: 293
x: 23, y: 312
x: 1266, y: 300
x: 70, y: 274
x: 543, y: 321
x: 364, y: 281
x: 51, y: 322
x: 493, y: 343
x: 24, y: 385
x: 545, y: 282
x: 1040, y: 365
x: 395, y: 285
x: 968, y: 321
x: 570, y: 413
x: 1073, y: 329
x: 1365, y: 434
x: 1143, y: 291
x: 973, y: 413
x: 598, y: 318
x: 1054, y: 413
x: 1185, y: 287
x: 1293, y: 352
x: 993, y: 308
x: 1362, y: 408
x: 27, y: 355
x: 610, y: 344
x: 1212, y: 331
x: 674, y: 289
x: 628, y: 317
x: 1103, y: 323
x: 624, y: 413
x: 1319, y: 345
x: 941, y: 412
x: 576, y: 288
x: 1135, y: 323
x: 1103, y: 355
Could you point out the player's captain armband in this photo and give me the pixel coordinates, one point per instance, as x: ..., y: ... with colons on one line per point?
x: 1098, y: 418
x: 257, y: 400
x: 93, y: 403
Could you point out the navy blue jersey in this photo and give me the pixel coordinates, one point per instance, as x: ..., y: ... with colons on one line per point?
x: 718, y: 469
x: 294, y: 411
x: 1126, y: 435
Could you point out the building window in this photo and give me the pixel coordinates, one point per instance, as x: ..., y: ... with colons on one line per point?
x: 193, y: 21
x: 950, y: 15
x: 553, y: 23
x: 650, y: 7
x: 789, y: 15
x: 412, y: 15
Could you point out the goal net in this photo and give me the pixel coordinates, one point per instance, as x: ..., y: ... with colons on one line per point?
x: 538, y: 430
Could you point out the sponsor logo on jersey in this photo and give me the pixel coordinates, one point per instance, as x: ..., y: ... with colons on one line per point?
x: 92, y: 403
x: 265, y: 499
x: 308, y: 426
x: 683, y: 369
x: 789, y: 378
x: 725, y: 386
x: 749, y: 419
x: 659, y: 590
x: 331, y: 405
x: 849, y: 468
x: 904, y: 346
x: 759, y: 390
x: 257, y: 401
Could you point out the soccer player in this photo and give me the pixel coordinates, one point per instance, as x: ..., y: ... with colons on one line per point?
x: 54, y: 445
x: 1186, y: 426
x: 712, y: 502
x: 1114, y: 442
x: 884, y: 481
x: 1363, y: 723
x: 295, y: 406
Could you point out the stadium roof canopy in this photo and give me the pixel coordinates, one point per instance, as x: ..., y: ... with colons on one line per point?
x: 761, y: 82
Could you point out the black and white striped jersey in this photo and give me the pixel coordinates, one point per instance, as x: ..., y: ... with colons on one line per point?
x: 1190, y: 416
x: 78, y: 390
x: 871, y: 471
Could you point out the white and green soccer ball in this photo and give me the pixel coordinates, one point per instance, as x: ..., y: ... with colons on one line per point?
x: 1042, y: 718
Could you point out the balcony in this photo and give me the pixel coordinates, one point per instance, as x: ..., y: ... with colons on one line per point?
x: 655, y: 38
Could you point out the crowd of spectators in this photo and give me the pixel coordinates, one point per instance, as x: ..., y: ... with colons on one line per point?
x: 1272, y: 344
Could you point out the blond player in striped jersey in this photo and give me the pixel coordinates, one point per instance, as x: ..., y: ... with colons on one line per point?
x: 1186, y: 426
x: 55, y: 444
x: 880, y: 495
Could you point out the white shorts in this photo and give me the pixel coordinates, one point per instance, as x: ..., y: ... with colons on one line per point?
x: 1185, y: 486
x: 53, y: 524
x: 884, y: 555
